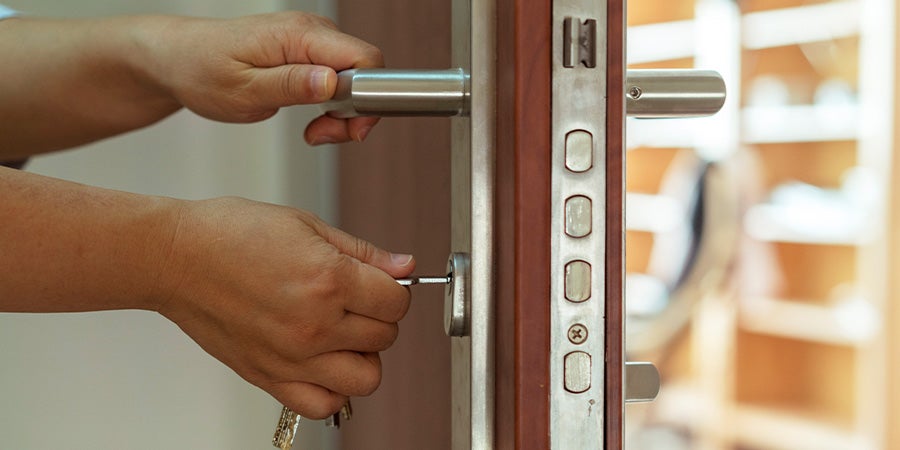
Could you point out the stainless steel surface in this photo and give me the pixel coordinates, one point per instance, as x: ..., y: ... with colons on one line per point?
x: 456, y: 304
x: 392, y: 92
x: 425, y: 280
x: 472, y: 232
x: 641, y: 382
x: 669, y: 93
x: 577, y: 371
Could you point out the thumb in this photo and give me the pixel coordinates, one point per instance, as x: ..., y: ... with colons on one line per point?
x: 292, y: 84
x: 397, y: 265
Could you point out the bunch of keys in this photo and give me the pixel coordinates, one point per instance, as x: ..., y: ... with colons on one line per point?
x: 289, y: 421
x: 286, y: 430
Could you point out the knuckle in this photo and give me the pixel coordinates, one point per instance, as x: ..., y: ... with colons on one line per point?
x: 372, y: 56
x: 386, y: 338
x: 398, y: 307
x: 368, y: 381
x: 364, y: 250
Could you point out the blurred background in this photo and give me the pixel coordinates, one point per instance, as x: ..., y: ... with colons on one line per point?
x: 761, y: 242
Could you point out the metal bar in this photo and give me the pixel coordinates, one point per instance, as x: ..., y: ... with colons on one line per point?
x: 391, y: 92
x: 670, y: 93
x: 578, y: 236
x: 649, y: 94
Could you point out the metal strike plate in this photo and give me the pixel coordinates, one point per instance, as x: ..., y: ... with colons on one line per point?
x: 641, y: 382
x: 672, y: 93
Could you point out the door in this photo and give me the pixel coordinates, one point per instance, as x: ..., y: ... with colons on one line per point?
x: 527, y: 182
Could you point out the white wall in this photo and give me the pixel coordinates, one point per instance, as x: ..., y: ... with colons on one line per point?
x: 130, y: 379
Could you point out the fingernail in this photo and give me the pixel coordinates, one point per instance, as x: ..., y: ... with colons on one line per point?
x: 363, y: 133
x: 401, y: 259
x: 319, y: 140
x: 319, y: 83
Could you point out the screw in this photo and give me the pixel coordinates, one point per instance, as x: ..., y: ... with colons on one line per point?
x: 578, y: 333
x: 635, y: 92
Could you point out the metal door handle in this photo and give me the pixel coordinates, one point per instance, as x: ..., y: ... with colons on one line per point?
x: 670, y: 93
x: 390, y: 92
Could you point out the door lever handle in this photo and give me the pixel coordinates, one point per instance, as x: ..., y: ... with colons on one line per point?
x: 392, y: 92
x: 649, y: 94
x: 673, y: 93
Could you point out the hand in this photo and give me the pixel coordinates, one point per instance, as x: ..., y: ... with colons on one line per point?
x: 292, y: 305
x: 244, y: 70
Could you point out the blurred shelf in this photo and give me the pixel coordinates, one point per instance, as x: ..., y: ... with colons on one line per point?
x: 813, y: 225
x: 801, y: 25
x: 772, y: 429
x: 674, y: 133
x: 851, y: 322
x: 653, y: 213
x: 660, y: 42
x: 800, y: 123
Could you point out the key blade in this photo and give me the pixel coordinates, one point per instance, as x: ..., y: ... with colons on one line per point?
x: 286, y: 429
x: 424, y: 280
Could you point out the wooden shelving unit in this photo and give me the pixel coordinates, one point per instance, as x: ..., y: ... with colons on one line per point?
x: 790, y: 351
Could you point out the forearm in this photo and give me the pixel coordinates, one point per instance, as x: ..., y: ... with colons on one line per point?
x: 68, y: 82
x: 70, y: 247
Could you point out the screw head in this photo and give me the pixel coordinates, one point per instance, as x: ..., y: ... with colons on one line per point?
x: 578, y: 334
x: 635, y: 92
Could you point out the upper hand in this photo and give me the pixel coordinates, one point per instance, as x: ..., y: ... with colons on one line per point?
x: 245, y: 69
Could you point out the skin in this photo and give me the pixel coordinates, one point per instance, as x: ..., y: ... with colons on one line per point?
x: 292, y: 305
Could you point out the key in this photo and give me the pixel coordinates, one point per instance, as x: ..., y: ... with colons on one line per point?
x: 447, y: 279
x: 345, y: 413
x: 286, y: 429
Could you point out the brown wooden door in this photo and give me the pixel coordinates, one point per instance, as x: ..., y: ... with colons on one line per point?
x: 395, y: 191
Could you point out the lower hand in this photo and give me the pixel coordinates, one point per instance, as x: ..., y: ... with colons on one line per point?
x: 292, y: 305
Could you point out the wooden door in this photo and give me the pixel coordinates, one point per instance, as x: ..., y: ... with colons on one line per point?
x: 395, y: 191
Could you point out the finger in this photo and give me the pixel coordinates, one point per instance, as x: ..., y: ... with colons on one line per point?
x: 377, y: 296
x: 329, y: 47
x: 328, y: 130
x: 308, y: 400
x: 361, y: 333
x: 396, y: 265
x: 348, y: 373
x: 295, y: 84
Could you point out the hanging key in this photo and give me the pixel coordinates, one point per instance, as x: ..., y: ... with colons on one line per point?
x: 286, y: 429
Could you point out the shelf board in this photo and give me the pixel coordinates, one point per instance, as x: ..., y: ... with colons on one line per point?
x: 801, y: 25
x: 800, y: 123
x: 653, y: 213
x: 780, y: 223
x: 851, y: 322
x: 770, y: 428
x: 660, y: 42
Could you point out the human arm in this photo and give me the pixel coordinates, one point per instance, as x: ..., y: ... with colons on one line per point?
x: 68, y: 82
x: 292, y: 305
